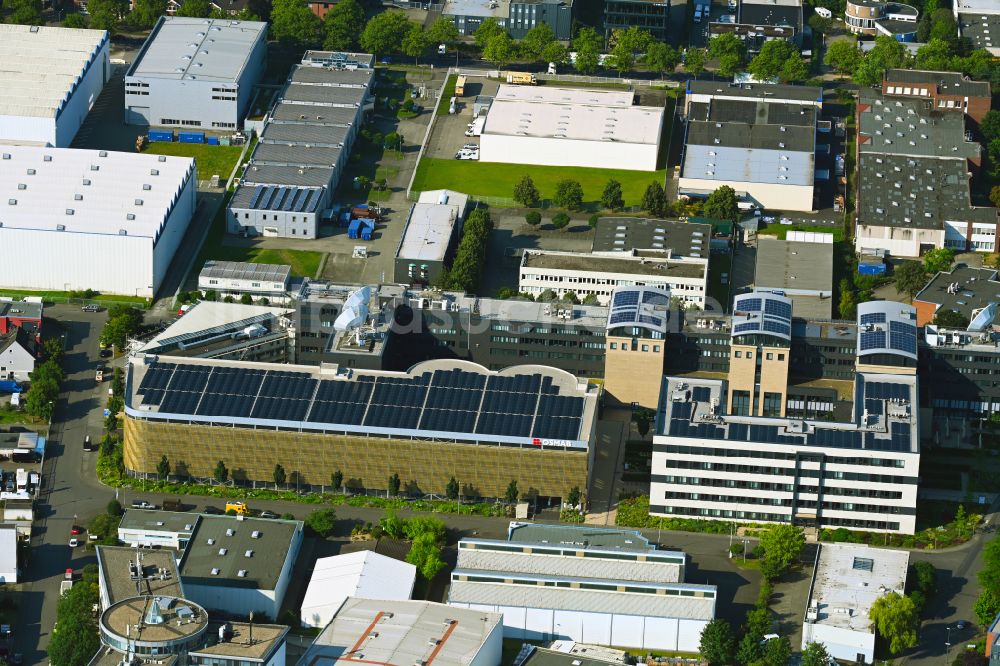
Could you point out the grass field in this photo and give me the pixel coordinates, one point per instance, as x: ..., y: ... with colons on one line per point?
x: 210, y: 160
x: 58, y: 296
x: 497, y: 180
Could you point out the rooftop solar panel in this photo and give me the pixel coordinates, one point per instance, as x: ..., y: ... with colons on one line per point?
x: 872, y: 340
x: 622, y: 317
x: 872, y: 318
x: 778, y: 308
x: 623, y: 298
x: 750, y: 304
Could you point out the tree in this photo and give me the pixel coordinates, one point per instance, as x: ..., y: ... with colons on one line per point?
x: 533, y: 217
x: 499, y: 50
x: 75, y: 20
x: 510, y: 496
x: 293, y: 24
x: 995, y: 195
x: 815, y: 654
x: 573, y: 496
x: 779, y: 59
x: 990, y: 126
x: 163, y: 468
x: 722, y: 205
x: 425, y: 554
x: 337, y: 479
x: 114, y: 508
x: 654, y: 200
x: 122, y: 323
x: 910, y: 278
x: 694, y: 61
x: 820, y: 24
x: 887, y: 53
x: 487, y: 30
x: 987, y: 607
x: 943, y: 26
x: 661, y: 57
x: 195, y: 9
x: 783, y: 544
x: 895, y: 618
x: 394, y: 484
x: 950, y: 319
x: 569, y: 194
x: 342, y: 25
x: 443, y: 31
x: 847, y: 306
x: 587, y: 45
x: 535, y: 41
x: 938, y: 260
x: 989, y: 575
x: 750, y: 651
x: 106, y: 14
x: 924, y: 576
x: 385, y: 32
x: 145, y: 13
x: 278, y: 475
x: 612, y: 198
x: 555, y: 53
x: 626, y: 44
x: 778, y: 651
x: 718, y: 644
x: 843, y: 56
x: 560, y: 220
x: 415, y: 42
x: 935, y: 55
x: 322, y: 522
x: 730, y: 51
x: 24, y: 12
x: 451, y: 490
x: 76, y: 641
x: 643, y: 418
x: 526, y: 194
x: 221, y: 473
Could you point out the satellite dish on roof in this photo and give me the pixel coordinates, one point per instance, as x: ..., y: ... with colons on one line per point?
x: 355, y: 310
x: 983, y: 318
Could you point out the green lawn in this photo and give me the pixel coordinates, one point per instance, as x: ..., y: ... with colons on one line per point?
x: 449, y: 91
x: 57, y: 296
x: 210, y: 160
x: 490, y: 179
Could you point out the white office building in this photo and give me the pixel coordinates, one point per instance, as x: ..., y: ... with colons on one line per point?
x: 848, y: 579
x: 590, y: 585
x: 235, y: 278
x: 364, y: 574
x: 50, y: 79
x: 599, y: 273
x: 571, y: 127
x: 87, y: 219
x: 196, y: 73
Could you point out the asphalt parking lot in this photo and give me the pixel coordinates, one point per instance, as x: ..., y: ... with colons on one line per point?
x: 449, y: 131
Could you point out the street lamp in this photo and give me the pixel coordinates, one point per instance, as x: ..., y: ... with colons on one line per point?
x: 947, y: 642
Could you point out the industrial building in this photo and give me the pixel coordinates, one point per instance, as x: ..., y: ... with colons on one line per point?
x: 571, y: 127
x: 848, y: 580
x: 978, y: 21
x: 653, y: 16
x: 681, y: 239
x: 965, y: 290
x: 10, y: 570
x: 235, y: 278
x: 946, y: 90
x: 195, y: 72
x: 760, y: 21
x: 858, y: 471
x: 297, y: 164
x: 592, y: 585
x: 51, y: 79
x: 914, y: 163
x: 599, y: 273
x: 526, y: 14
x: 110, y: 221
x: 438, y: 420
x: 428, y: 241
x: 569, y: 653
x: 407, y: 632
x: 468, y: 15
x: 759, y: 144
x: 801, y: 268
x: 364, y: 574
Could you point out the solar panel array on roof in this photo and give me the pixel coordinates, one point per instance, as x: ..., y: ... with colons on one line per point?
x: 872, y: 340
x: 872, y: 318
x: 887, y: 391
x: 903, y: 337
x: 453, y: 401
x: 639, y: 305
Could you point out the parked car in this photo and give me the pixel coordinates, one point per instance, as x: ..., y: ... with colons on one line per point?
x: 76, y: 530
x: 106, y: 352
x: 87, y: 444
x: 471, y: 146
x: 268, y: 514
x: 74, y: 542
x: 142, y: 504
x: 213, y: 511
x: 92, y: 308
x: 768, y: 638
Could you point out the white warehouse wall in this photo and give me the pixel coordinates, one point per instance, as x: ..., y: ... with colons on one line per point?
x: 567, y: 152
x: 234, y: 600
x: 768, y: 195
x: 898, y: 241
x: 28, y: 129
x: 626, y: 631
x: 491, y: 651
x: 87, y: 91
x: 841, y: 643
x: 175, y: 228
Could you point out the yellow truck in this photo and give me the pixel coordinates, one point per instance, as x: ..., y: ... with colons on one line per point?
x: 460, y: 86
x: 522, y: 79
x: 240, y: 508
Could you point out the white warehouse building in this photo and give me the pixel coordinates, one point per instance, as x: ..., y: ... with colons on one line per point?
x: 571, y: 127
x: 86, y: 219
x: 590, y: 585
x: 848, y: 579
x: 50, y: 79
x: 194, y: 72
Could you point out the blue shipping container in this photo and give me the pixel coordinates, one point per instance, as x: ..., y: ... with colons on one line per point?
x: 9, y: 387
x: 353, y: 229
x: 161, y: 135
x: 191, y: 137
x: 213, y: 140
x: 871, y: 269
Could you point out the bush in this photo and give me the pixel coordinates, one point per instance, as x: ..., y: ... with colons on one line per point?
x: 736, y: 549
x: 560, y: 220
x: 467, y: 267
x: 593, y: 221
x: 533, y: 218
x: 321, y: 522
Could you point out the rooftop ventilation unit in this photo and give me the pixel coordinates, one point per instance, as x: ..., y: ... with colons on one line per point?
x: 215, y: 572
x: 230, y: 532
x: 223, y: 551
x: 255, y: 534
x: 242, y: 573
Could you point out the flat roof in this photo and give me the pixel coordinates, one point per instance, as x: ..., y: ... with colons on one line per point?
x: 312, y: 114
x: 132, y: 572
x: 481, y: 8
x: 594, y: 263
x: 976, y: 288
x: 158, y: 521
x: 848, y: 580
x: 429, y: 230
x: 283, y: 154
x: 518, y: 310
x: 577, y: 114
x: 89, y: 191
x: 181, y: 618
x: 222, y: 547
x: 946, y: 83
x: 582, y: 656
x: 887, y: 327
x: 794, y: 265
x: 761, y: 91
x: 313, y: 134
x: 401, y: 632
x: 526, y: 405
x: 200, y: 49
x: 331, y: 76
x: 20, y: 309
x: 238, y: 270
x: 983, y: 30
x: 687, y: 239
x: 211, y: 323
x: 258, y: 642
x: 339, y: 59
x: 906, y: 126
x: 601, y: 538
x: 787, y: 13
x: 289, y: 176
x: 324, y: 95
x: 42, y: 66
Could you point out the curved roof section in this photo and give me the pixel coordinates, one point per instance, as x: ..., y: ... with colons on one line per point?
x: 643, y: 307
x: 887, y: 327
x: 762, y: 313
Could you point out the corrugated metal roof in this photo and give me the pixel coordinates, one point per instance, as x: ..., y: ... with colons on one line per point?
x: 195, y: 48
x: 579, y: 567
x: 303, y: 133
